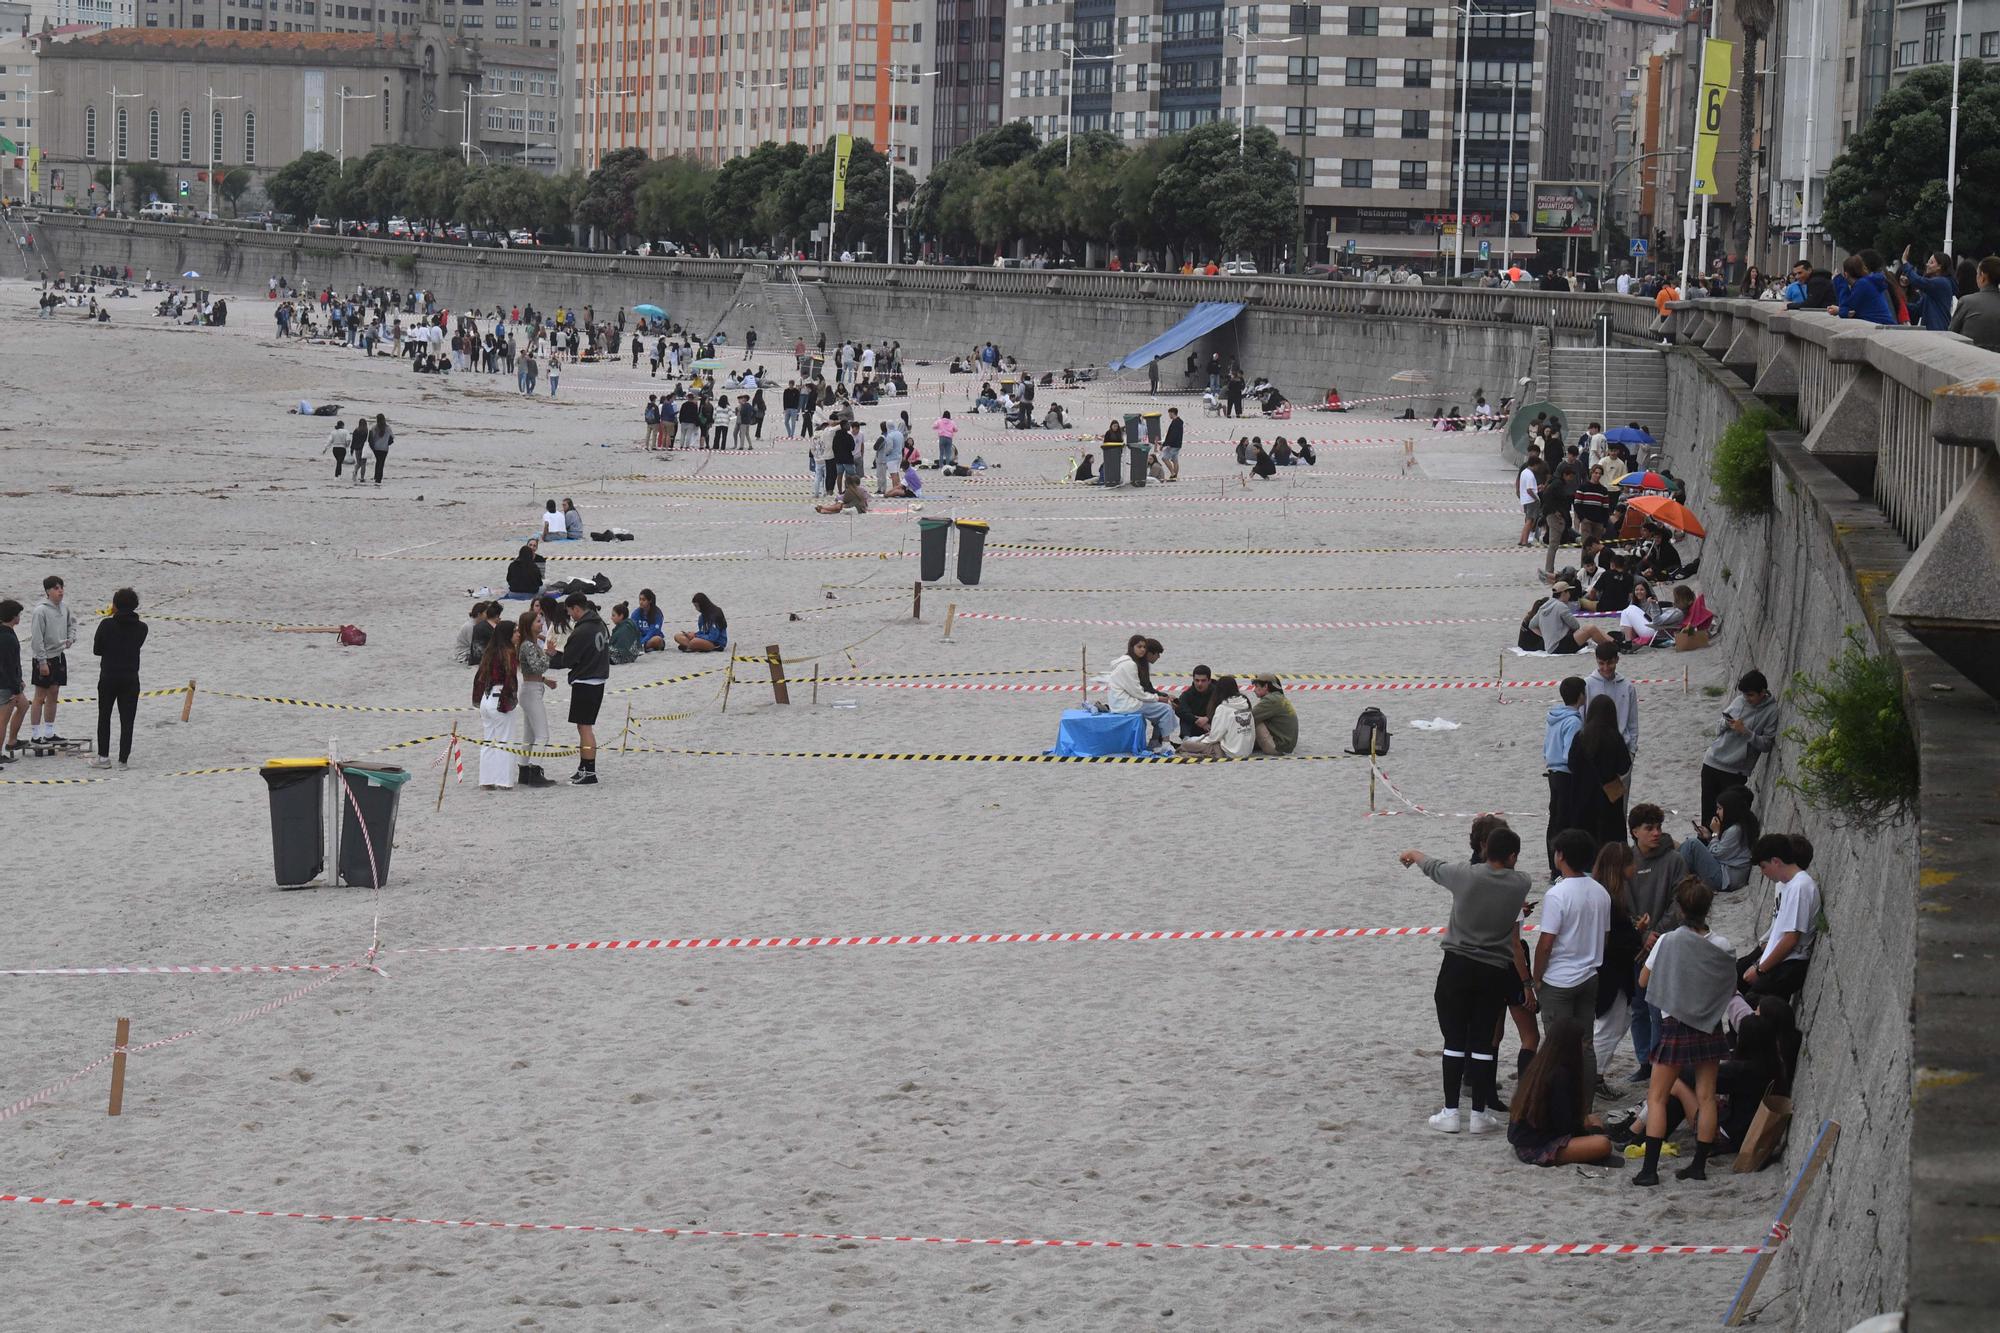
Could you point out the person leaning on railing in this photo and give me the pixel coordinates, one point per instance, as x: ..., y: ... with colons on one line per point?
x: 1978, y: 316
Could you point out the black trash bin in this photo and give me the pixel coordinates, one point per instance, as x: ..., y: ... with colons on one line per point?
x: 1112, y: 471
x: 1153, y: 432
x: 932, y: 535
x: 1138, y: 457
x: 971, y: 549
x: 298, y: 806
x: 377, y: 791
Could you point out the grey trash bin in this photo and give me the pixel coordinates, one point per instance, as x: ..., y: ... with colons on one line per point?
x: 932, y: 535
x: 1137, y: 455
x: 971, y: 549
x: 1112, y: 472
x: 298, y: 837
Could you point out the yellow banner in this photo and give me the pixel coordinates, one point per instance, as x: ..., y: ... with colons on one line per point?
x: 34, y: 172
x: 1716, y: 57
x: 843, y: 146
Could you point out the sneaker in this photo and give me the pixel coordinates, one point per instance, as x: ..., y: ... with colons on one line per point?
x: 1485, y: 1122
x: 1448, y: 1121
x: 582, y: 779
x: 99, y: 761
x: 1643, y: 1074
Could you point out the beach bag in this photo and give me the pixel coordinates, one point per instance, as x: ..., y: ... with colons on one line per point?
x: 1614, y: 790
x: 1371, y: 733
x: 1767, y: 1134
x: 352, y: 637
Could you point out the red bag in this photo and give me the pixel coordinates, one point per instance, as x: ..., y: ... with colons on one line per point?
x: 352, y: 637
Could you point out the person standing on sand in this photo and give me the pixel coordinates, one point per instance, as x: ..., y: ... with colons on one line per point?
x: 586, y: 655
x: 119, y: 638
x: 336, y: 444
x: 13, y: 688
x: 379, y: 440
x: 50, y: 635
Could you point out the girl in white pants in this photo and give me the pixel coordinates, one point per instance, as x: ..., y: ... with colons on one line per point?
x: 495, y: 690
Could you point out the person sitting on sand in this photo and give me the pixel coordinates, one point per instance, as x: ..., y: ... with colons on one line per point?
x: 553, y: 527
x: 711, y: 631
x: 1556, y: 623
x: 1550, y: 1122
x: 524, y: 574
x: 851, y: 497
x: 461, y: 648
x: 1231, y: 731
x: 625, y: 642
x: 906, y: 484
x: 1193, y: 704
x: 651, y: 622
x: 1277, y: 720
x: 1129, y: 689
x: 1261, y: 463
x: 572, y: 520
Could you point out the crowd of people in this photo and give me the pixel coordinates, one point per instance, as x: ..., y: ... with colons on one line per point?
x: 1212, y: 718
x: 31, y: 689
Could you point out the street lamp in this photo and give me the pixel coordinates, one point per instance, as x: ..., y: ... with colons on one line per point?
x: 1951, y: 164
x: 597, y: 90
x: 1243, y: 80
x: 915, y: 75
x: 1611, y: 192
x: 740, y: 82
x: 346, y: 97
x: 212, y: 100
x: 116, y: 98
x: 1466, y: 13
x: 470, y: 96
x: 1071, y: 55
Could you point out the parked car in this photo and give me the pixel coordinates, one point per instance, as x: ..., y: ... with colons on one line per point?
x: 320, y: 225
x: 398, y: 227
x: 1241, y: 268
x: 156, y: 212
x: 521, y: 237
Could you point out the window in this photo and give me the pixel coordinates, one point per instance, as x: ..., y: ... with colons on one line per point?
x: 1301, y: 120
x: 1906, y: 54
x: 1989, y: 46
x: 1305, y: 20
x: 249, y: 138
x: 121, y: 148
x: 153, y: 135
x: 90, y: 131
x: 1416, y: 73
x: 1412, y: 176
x: 1301, y: 70
x: 1416, y: 124
x: 1421, y: 23
x: 1936, y: 44
x: 215, y: 138
x: 1357, y: 175
x: 1363, y: 20
x: 1358, y: 122
x: 1360, y: 72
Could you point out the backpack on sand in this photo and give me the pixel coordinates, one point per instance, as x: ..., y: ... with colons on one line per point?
x: 1371, y: 733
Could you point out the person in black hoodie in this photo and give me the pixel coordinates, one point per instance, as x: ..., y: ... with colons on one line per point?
x: 524, y: 574
x: 119, y: 637
x: 587, y: 658
x: 13, y: 688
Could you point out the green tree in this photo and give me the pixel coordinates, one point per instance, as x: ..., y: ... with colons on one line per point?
x: 299, y: 185
x: 140, y: 181
x: 346, y: 196
x: 673, y: 203
x: 435, y: 187
x: 942, y: 209
x: 1212, y: 200
x: 1886, y: 189
x: 1137, y: 179
x: 863, y: 223
x: 609, y: 195
x: 737, y: 196
x: 559, y: 198
x: 232, y: 183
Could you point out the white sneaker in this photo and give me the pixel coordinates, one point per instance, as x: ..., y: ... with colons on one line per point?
x: 100, y: 761
x: 1485, y: 1122
x: 1448, y: 1121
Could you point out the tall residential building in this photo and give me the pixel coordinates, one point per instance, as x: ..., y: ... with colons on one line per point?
x: 969, y: 55
x: 701, y: 79
x: 1366, y: 96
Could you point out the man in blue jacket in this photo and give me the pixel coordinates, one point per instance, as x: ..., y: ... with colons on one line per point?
x: 1564, y: 721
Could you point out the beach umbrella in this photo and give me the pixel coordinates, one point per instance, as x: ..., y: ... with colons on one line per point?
x: 190, y: 274
x: 649, y: 311
x: 1629, y: 435
x: 1669, y: 513
x: 1645, y: 481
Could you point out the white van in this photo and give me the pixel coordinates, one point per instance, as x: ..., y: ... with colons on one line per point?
x: 157, y: 212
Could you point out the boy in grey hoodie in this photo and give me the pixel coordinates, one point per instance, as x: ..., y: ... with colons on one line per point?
x: 50, y: 634
x: 1657, y: 870
x: 1748, y: 729
x: 1564, y: 721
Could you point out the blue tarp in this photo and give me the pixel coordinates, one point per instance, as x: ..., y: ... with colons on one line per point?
x: 1204, y: 318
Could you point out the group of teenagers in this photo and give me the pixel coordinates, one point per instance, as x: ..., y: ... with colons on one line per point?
x: 31, y: 689
x: 514, y: 655
x: 1213, y: 718
x: 1624, y: 947
x: 352, y: 446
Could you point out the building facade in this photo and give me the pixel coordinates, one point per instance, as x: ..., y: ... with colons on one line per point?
x: 519, y: 110
x: 701, y: 79
x: 142, y: 95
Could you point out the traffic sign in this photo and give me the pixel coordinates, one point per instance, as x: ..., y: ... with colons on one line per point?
x: 1638, y: 247
x: 1486, y: 249
x: 1350, y: 245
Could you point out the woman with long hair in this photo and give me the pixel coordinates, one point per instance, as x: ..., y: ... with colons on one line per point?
x: 1690, y: 978
x: 1719, y: 852
x: 531, y: 655
x: 651, y: 621
x: 1232, y: 733
x: 1598, y: 758
x: 495, y: 690
x: 118, y: 640
x: 1549, y: 1121
x: 711, y: 631
x: 1622, y: 941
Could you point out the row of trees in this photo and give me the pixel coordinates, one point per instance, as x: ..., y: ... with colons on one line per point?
x: 142, y: 182
x: 1887, y: 187
x: 1192, y: 193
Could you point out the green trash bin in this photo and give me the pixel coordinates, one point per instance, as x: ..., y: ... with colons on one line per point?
x: 1112, y: 471
x: 298, y: 826
x: 932, y: 535
x: 377, y: 791
x: 971, y: 549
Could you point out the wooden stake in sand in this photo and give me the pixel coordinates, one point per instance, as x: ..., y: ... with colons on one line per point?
x: 1829, y: 1134
x: 1371, y: 771
x: 625, y: 737
x: 917, y: 602
x: 118, y: 1044
x: 950, y: 614
x: 779, y: 694
x: 187, y: 702
x: 728, y: 679
x: 1085, y: 664
x: 444, y: 777
x: 816, y: 671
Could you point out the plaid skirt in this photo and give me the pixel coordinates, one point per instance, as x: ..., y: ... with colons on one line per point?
x: 1681, y: 1047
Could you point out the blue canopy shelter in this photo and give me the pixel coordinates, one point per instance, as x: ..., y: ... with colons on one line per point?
x: 1204, y: 318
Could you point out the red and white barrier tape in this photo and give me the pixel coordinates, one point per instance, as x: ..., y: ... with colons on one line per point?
x: 1545, y: 1249
x: 1223, y: 624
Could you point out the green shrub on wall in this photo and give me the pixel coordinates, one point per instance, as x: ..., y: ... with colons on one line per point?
x: 1858, y: 760
x: 1740, y: 467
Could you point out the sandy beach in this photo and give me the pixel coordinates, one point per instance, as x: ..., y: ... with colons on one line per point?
x: 1226, y: 1091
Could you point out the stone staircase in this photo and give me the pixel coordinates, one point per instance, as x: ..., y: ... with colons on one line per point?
x: 771, y: 299
x: 1634, y: 389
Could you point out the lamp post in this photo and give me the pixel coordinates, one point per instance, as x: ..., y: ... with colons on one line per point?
x: 470, y: 97
x: 1513, y: 125
x: 738, y: 81
x: 212, y: 100
x: 915, y: 75
x: 116, y: 98
x: 1611, y: 192
x: 1466, y: 14
x: 1243, y: 80
x: 598, y: 93
x: 1071, y: 56
x: 346, y: 97
x: 1951, y: 156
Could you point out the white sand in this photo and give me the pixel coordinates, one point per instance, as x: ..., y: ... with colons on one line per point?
x: 1146, y: 1091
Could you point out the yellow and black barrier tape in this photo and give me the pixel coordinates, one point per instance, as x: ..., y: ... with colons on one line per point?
x: 323, y: 704
x: 525, y: 752
x: 670, y: 680
x: 48, y: 782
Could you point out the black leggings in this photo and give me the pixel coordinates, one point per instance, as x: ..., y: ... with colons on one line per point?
x: 124, y: 694
x: 380, y: 455
x: 1471, y: 996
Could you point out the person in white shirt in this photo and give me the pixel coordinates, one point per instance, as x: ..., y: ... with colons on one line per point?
x: 1576, y: 914
x: 1129, y: 687
x: 1778, y: 967
x: 1528, y: 487
x: 1635, y: 622
x: 1624, y: 284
